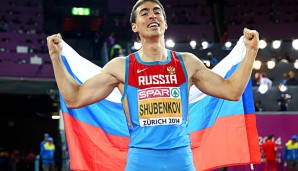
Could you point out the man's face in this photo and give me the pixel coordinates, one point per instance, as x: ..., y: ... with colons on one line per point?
x: 291, y: 74
x: 150, y: 21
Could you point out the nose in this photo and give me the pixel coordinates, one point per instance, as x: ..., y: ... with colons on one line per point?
x: 152, y: 15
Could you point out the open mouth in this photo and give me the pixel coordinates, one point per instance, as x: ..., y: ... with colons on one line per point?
x: 153, y: 25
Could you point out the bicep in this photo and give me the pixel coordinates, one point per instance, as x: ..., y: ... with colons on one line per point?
x: 209, y: 82
x: 96, y: 88
x: 205, y: 79
x: 101, y: 85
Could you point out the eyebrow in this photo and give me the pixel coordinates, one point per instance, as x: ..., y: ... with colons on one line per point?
x: 147, y: 9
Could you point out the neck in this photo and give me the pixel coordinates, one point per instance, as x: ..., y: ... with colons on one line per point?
x: 153, y: 50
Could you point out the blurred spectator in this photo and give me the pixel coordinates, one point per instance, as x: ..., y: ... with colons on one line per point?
x: 97, y: 44
x: 258, y: 106
x: 29, y: 161
x: 4, y: 24
x: 290, y: 154
x: 110, y: 43
x: 265, y: 83
x: 285, y: 77
x: 292, y: 80
x: 14, y: 160
x: 111, y: 40
x: 284, y: 101
x: 45, y: 139
x: 3, y: 159
x: 32, y: 49
x: 48, y: 155
x: 21, y: 61
x: 21, y: 30
x: 285, y: 58
x: 264, y: 80
x: 256, y: 80
x: 269, y: 150
x: 116, y: 50
x: 213, y: 60
x: 224, y: 37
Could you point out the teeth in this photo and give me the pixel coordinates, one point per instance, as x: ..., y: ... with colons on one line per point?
x: 153, y: 25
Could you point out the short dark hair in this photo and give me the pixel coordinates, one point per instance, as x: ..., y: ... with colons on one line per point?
x: 132, y: 18
x: 269, y: 137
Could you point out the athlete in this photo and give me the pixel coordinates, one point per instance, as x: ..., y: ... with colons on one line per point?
x: 154, y: 83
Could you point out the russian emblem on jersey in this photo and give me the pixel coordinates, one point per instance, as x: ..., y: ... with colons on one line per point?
x: 159, y: 106
x: 171, y: 70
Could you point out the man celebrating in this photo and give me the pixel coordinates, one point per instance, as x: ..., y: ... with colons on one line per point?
x: 157, y: 121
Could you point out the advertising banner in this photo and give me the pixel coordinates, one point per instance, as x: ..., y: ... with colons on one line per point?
x: 282, y: 126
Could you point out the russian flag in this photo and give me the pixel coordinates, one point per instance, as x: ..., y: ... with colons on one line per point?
x: 223, y: 133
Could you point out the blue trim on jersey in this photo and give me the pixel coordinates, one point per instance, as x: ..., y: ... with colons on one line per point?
x: 183, y: 65
x: 155, y: 62
x: 126, y: 77
x: 169, y: 53
x: 186, y: 82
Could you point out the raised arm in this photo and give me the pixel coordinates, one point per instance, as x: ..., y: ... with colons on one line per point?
x: 213, y: 84
x: 95, y: 89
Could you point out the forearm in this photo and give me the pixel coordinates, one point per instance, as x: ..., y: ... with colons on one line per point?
x: 240, y: 78
x: 68, y: 87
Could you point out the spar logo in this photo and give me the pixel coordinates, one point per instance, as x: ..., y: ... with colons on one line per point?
x: 159, y: 92
x: 175, y: 92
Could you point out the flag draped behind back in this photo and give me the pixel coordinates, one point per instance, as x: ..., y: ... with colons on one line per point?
x: 223, y: 133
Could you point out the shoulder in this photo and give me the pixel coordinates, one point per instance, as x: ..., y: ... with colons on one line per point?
x: 192, y: 63
x: 115, y: 63
x: 186, y: 54
x: 118, y: 60
x: 189, y: 56
x: 115, y: 68
x: 190, y: 59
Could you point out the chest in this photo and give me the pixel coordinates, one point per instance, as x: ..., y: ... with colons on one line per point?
x: 155, y: 75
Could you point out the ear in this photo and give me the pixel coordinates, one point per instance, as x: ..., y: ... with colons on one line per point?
x: 134, y: 27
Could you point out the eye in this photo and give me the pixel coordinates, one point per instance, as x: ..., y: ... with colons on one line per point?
x: 157, y: 12
x: 144, y: 13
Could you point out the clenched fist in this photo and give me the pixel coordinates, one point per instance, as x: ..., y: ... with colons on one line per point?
x: 54, y: 45
x: 251, y: 39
